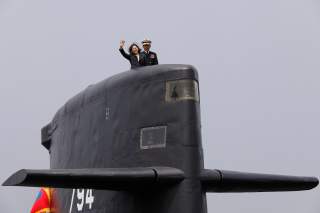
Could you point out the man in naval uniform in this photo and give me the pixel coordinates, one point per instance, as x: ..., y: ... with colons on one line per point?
x: 150, y: 57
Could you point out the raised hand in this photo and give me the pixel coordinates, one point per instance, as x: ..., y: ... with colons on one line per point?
x: 122, y: 43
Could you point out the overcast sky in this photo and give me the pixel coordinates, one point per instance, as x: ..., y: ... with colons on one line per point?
x: 259, y: 67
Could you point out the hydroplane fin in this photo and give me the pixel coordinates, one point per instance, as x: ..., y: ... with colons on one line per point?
x: 106, y: 178
x: 231, y: 181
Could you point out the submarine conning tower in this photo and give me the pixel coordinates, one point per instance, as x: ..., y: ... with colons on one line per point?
x: 144, y: 117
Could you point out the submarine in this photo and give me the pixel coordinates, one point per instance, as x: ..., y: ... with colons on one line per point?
x: 132, y: 144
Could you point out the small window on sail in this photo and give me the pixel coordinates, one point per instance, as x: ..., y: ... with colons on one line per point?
x: 180, y: 90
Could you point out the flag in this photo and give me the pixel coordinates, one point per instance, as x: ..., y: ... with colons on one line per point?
x: 43, y: 202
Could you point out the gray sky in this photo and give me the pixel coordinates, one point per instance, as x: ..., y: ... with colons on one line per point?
x: 259, y: 81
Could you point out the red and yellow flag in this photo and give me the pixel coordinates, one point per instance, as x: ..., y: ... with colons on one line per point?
x: 43, y: 202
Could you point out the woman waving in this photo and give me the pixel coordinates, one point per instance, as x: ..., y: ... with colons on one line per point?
x: 135, y: 58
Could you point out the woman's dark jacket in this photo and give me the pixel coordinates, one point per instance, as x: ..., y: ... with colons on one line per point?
x: 133, y: 59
